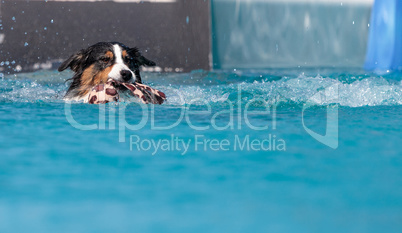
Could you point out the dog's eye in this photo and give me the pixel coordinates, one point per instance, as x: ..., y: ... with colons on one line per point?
x: 105, y: 59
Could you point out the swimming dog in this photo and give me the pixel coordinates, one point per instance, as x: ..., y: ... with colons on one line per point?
x: 99, y: 62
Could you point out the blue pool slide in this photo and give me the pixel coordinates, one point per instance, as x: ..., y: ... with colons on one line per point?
x: 384, y: 51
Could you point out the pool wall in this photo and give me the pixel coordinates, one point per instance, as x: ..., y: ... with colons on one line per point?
x: 185, y: 35
x: 290, y: 33
x: 39, y: 34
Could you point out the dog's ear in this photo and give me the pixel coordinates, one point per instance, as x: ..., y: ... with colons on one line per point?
x: 74, y: 61
x: 144, y: 61
x: 141, y: 60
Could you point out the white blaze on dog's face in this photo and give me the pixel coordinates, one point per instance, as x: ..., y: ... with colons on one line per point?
x: 120, y: 71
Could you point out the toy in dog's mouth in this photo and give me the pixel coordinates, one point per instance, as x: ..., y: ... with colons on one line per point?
x: 109, y: 92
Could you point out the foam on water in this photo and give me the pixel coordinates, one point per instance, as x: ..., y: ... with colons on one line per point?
x: 259, y: 87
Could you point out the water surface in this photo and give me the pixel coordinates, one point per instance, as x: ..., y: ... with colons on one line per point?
x: 55, y: 177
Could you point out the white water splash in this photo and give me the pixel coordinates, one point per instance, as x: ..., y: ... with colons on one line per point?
x: 199, y: 88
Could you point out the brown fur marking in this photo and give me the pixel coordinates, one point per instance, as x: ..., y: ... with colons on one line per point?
x: 90, y: 77
x: 109, y: 54
x: 102, y: 76
x: 86, y: 80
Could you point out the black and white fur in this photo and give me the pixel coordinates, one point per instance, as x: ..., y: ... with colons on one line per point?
x: 97, y: 63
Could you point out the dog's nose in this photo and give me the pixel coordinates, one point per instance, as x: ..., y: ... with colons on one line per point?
x: 126, y: 75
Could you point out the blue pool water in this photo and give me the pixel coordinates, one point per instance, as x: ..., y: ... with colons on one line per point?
x: 56, y: 177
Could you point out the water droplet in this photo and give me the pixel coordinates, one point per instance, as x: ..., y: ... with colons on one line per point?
x: 26, y: 44
x: 51, y: 21
x: 45, y: 28
x: 13, y: 18
x: 187, y: 20
x: 353, y: 22
x: 18, y: 68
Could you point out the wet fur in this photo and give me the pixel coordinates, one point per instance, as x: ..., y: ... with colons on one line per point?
x: 91, y: 66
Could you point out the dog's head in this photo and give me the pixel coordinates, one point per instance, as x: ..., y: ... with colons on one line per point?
x: 104, y: 60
